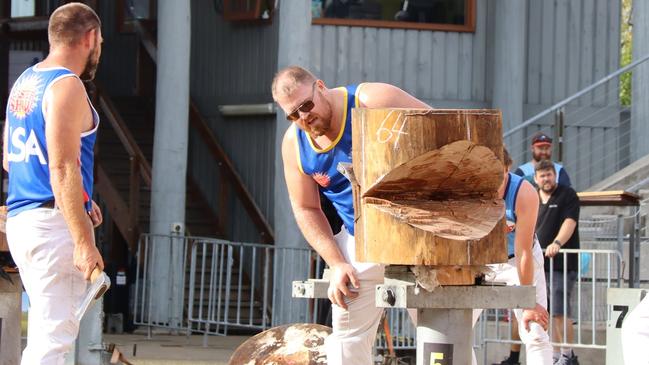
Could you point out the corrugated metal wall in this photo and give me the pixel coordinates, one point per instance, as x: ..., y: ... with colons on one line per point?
x: 446, y: 67
x: 234, y: 64
x: 570, y: 45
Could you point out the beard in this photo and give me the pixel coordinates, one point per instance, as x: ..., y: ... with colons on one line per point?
x: 90, y: 69
x: 318, y: 127
x: 541, y: 156
x: 548, y: 188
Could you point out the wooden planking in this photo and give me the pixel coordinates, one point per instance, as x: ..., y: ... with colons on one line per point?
x: 356, y: 55
x: 439, y: 65
x: 397, y: 56
x: 411, y: 56
x: 384, y: 55
x: 614, y: 35
x: 465, y: 69
x: 574, y: 40
x: 370, y: 53
x: 479, y: 46
x: 587, y: 30
x: 560, y: 53
x: 316, y: 50
x: 343, y: 56
x: 452, y: 71
x: 547, y: 54
x: 534, y: 36
x: 425, y: 83
x: 329, y: 56
x: 601, y: 48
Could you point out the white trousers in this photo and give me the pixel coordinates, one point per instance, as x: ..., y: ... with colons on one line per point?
x: 354, y: 329
x: 42, y: 247
x: 537, y: 341
x: 635, y: 335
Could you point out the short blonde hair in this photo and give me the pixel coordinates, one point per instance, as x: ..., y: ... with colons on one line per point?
x: 70, y: 22
x: 287, y: 80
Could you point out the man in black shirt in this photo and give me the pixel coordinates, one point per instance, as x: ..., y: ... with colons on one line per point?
x: 557, y: 229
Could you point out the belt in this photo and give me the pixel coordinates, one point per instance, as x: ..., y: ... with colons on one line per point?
x: 511, y: 256
x: 50, y: 204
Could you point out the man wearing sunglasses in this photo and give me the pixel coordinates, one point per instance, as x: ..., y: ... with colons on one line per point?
x: 318, y: 138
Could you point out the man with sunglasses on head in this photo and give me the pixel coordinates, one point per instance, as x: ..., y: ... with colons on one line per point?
x: 316, y: 141
x: 542, y: 150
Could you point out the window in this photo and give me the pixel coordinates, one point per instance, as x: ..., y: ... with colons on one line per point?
x: 445, y: 15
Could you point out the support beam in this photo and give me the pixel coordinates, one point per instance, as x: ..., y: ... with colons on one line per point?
x: 294, y: 47
x: 509, y: 68
x: 169, y: 171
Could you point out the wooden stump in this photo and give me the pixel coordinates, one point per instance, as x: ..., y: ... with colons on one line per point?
x: 426, y: 187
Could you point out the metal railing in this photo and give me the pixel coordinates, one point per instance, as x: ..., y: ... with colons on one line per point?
x: 597, y: 270
x: 591, y: 130
x: 208, y: 285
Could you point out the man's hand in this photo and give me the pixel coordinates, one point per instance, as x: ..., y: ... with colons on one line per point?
x: 552, y: 250
x: 95, y: 215
x: 537, y: 314
x: 86, y: 258
x: 341, y: 276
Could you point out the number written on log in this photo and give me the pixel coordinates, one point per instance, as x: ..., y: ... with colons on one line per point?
x: 391, y: 128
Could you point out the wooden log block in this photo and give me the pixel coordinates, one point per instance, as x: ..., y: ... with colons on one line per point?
x: 426, y: 187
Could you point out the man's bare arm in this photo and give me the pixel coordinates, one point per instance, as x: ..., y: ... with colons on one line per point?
x: 380, y: 95
x: 5, y: 147
x: 565, y: 232
x: 305, y: 201
x: 67, y: 113
x: 527, y: 206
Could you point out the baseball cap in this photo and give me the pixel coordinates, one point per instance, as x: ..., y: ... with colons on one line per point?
x: 540, y: 139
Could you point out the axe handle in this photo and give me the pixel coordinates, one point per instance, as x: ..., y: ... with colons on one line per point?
x: 95, y: 274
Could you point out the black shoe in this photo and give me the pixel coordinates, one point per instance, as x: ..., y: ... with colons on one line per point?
x: 508, y: 361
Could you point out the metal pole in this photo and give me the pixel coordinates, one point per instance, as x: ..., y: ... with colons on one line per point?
x: 444, y: 334
x: 620, y: 234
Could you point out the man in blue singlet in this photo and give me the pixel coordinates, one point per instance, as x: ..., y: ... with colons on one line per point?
x: 318, y: 138
x: 48, y: 152
x: 525, y: 265
x: 542, y: 150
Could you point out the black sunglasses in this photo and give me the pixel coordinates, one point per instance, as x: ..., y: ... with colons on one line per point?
x: 305, y: 107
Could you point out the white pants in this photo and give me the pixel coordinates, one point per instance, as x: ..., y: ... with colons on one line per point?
x: 42, y: 247
x: 354, y: 329
x: 635, y: 335
x: 537, y: 341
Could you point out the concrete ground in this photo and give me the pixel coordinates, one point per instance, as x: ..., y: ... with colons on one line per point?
x: 175, y: 350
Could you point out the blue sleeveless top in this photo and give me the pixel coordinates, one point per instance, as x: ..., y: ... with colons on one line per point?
x: 511, y: 193
x: 29, y: 174
x: 321, y: 164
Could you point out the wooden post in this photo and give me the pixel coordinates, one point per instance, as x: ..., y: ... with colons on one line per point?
x: 427, y: 189
x: 10, y: 318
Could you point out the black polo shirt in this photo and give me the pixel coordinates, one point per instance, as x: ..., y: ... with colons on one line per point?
x: 563, y: 204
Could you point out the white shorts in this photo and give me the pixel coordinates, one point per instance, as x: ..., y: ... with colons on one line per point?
x: 42, y: 248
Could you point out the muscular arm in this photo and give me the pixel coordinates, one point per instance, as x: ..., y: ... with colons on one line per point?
x: 567, y: 229
x: 305, y: 201
x: 380, y: 95
x: 527, y: 207
x: 5, y: 148
x: 67, y: 115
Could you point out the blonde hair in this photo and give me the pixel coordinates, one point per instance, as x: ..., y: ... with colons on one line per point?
x: 287, y: 80
x: 70, y: 22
